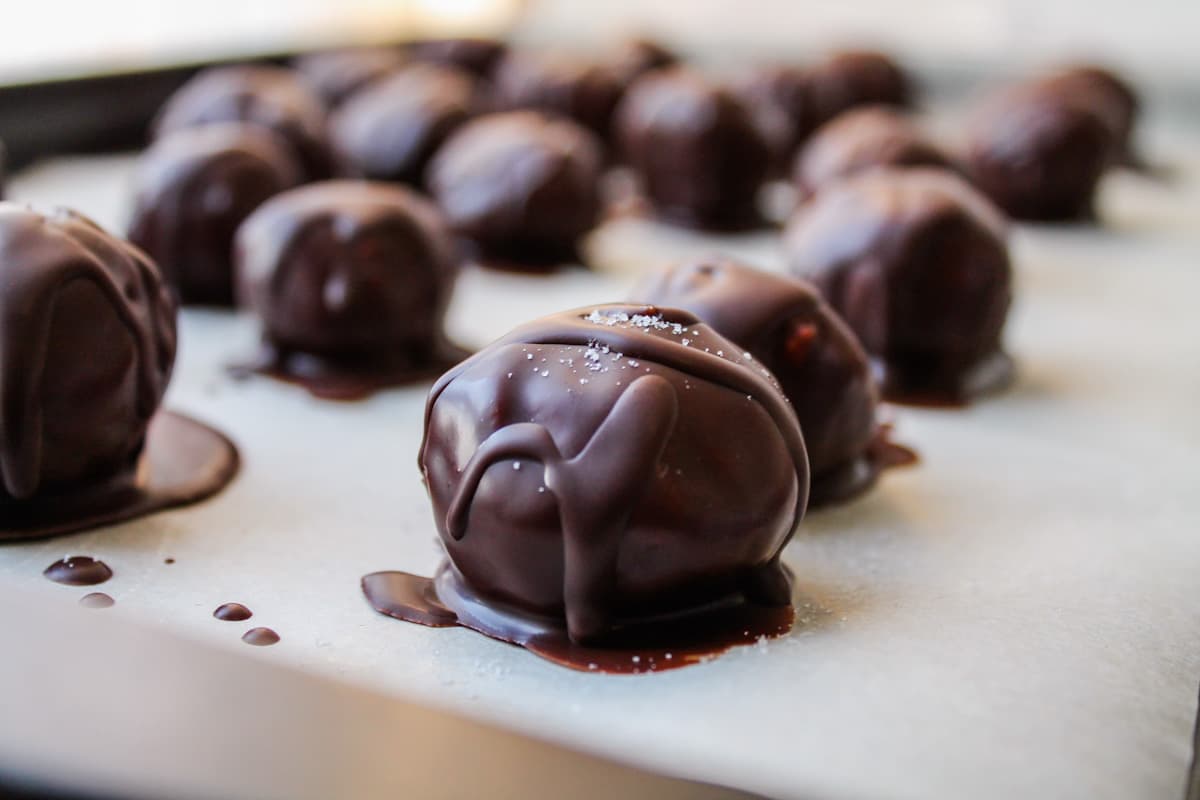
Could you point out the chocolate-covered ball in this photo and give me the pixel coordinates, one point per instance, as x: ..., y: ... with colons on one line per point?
x: 338, y: 74
x: 695, y: 148
x: 87, y: 343
x: 636, y: 56
x: 273, y: 97
x: 789, y: 329
x: 193, y: 188
x: 861, y: 139
x: 852, y: 78
x: 473, y: 54
x: 522, y: 186
x: 1039, y: 153
x: 557, y: 83
x: 3, y: 170
x: 390, y: 130
x: 1112, y: 96
x: 915, y: 261
x: 602, y: 466
x: 355, y: 274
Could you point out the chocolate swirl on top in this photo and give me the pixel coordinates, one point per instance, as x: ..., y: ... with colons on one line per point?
x: 65, y: 281
x: 612, y: 478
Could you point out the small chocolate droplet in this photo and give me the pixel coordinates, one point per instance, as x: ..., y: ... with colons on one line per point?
x: 233, y: 612
x: 260, y: 637
x: 96, y: 600
x: 168, y: 561
x: 78, y: 571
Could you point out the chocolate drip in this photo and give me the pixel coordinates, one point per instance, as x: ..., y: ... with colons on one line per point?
x: 96, y: 600
x: 596, y: 490
x: 233, y: 612
x: 260, y: 637
x: 42, y: 256
x: 78, y: 571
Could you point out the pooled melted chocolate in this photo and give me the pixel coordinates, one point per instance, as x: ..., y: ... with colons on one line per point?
x: 606, y: 469
x: 648, y: 646
x: 184, y: 462
x: 78, y: 571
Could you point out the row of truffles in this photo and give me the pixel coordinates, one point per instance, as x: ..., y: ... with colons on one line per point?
x: 87, y: 347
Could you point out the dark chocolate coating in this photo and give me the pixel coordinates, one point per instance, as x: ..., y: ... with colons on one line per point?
x: 522, y: 186
x: 390, y: 130
x: 3, y: 170
x: 1113, y: 97
x: 789, y: 329
x: 637, y: 56
x: 475, y: 55
x: 1039, y: 152
x: 87, y: 343
x: 699, y: 155
x: 811, y: 96
x: 860, y: 139
x: 193, y: 188
x: 915, y: 261
x: 273, y: 97
x: 592, y: 468
x: 349, y: 271
x: 338, y: 74
x: 557, y: 83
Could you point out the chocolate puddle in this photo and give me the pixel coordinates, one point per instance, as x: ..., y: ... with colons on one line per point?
x: 184, y: 462
x: 945, y: 388
x: 669, y: 643
x: 345, y: 381
x: 78, y: 571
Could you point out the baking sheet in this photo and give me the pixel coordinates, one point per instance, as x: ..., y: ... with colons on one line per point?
x: 1015, y: 616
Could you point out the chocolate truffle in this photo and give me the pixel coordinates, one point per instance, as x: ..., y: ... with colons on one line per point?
x: 337, y: 74
x: 1113, y: 97
x: 273, y: 97
x: 390, y: 130
x: 915, y: 261
x: 557, y: 83
x: 350, y: 281
x: 695, y: 148
x: 808, y: 97
x: 193, y: 188
x: 1039, y: 152
x: 475, y: 55
x: 522, y: 186
x: 607, y: 466
x: 852, y: 78
x: 637, y: 56
x: 3, y: 170
x: 861, y: 139
x: 87, y: 342
x: 786, y: 326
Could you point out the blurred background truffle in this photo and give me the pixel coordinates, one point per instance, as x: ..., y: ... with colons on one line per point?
x: 860, y: 139
x: 916, y: 262
x: 697, y: 152
x: 348, y: 278
x: 192, y: 189
x: 574, y: 87
x: 521, y: 186
x: 390, y: 130
x: 337, y: 74
x: 476, y: 55
x: 1039, y: 151
x: 273, y: 97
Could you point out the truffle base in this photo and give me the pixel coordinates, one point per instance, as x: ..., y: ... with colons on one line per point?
x: 654, y: 646
x: 184, y: 462
x: 347, y: 381
x: 855, y: 477
x: 916, y: 385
